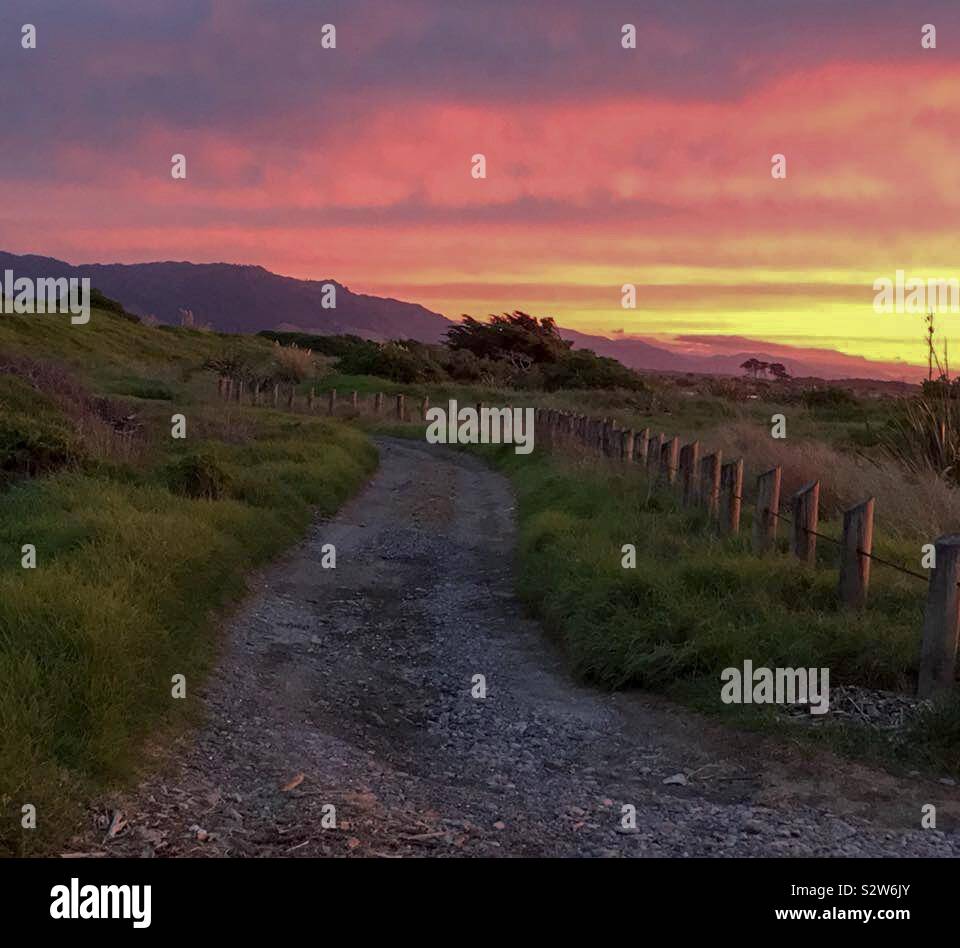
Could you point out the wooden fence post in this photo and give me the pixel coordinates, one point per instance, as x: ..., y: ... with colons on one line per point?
x: 731, y: 494
x: 378, y: 403
x: 626, y: 446
x: 689, y: 466
x: 353, y: 400
x: 669, y: 457
x: 276, y: 394
x: 425, y: 406
x: 641, y: 441
x: 805, y: 511
x: 255, y: 394
x: 606, y: 437
x: 654, y: 450
x: 290, y: 396
x: 709, y: 492
x: 856, y: 544
x: 332, y: 406
x: 768, y: 506
x: 941, y: 620
x: 239, y: 390
x: 310, y: 394
x: 400, y: 407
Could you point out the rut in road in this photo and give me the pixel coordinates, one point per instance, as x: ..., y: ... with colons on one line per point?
x: 359, y: 678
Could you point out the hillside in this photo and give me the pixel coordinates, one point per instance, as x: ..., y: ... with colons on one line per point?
x: 138, y: 539
x: 234, y: 298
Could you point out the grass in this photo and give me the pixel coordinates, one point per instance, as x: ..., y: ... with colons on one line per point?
x: 697, y: 603
x: 139, y: 549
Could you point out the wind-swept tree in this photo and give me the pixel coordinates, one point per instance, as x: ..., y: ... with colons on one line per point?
x: 517, y: 337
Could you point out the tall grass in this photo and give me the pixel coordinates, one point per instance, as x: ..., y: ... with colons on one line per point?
x: 696, y: 603
x: 925, y: 435
x: 911, y: 503
x: 128, y: 580
x: 141, y: 540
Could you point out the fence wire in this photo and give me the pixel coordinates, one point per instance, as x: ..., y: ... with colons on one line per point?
x: 836, y: 542
x: 872, y: 556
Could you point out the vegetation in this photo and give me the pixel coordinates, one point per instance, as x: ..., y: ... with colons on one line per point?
x: 140, y: 539
x: 696, y: 604
x: 513, y: 350
x: 924, y: 434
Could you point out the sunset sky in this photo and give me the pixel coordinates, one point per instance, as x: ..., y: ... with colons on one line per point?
x: 605, y: 165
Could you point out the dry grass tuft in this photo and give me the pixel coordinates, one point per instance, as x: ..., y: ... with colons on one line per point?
x: 910, y: 503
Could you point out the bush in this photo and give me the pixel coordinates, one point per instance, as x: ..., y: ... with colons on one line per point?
x: 29, y: 448
x: 832, y: 401
x: 292, y: 364
x: 35, y: 436
x: 585, y: 369
x: 197, y: 475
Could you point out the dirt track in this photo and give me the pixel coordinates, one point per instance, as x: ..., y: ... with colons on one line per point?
x: 359, y: 678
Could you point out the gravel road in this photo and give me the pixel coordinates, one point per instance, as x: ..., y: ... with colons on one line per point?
x: 355, y: 685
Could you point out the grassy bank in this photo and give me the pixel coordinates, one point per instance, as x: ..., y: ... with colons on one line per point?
x: 141, y: 540
x: 696, y: 604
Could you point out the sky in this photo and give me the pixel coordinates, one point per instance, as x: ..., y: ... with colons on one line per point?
x: 604, y: 165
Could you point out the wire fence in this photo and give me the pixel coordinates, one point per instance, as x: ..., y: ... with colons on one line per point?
x: 720, y: 486
x: 870, y: 555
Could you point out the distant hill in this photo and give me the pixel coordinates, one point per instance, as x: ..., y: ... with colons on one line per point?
x: 236, y: 298
x: 812, y: 363
x: 239, y: 298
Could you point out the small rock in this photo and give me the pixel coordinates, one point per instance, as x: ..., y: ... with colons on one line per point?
x: 680, y: 779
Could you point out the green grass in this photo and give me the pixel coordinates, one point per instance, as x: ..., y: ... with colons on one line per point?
x: 138, y: 552
x: 697, y: 603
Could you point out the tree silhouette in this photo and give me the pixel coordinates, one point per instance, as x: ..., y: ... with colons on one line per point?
x: 517, y: 337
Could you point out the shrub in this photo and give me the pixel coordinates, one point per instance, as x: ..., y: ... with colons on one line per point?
x: 832, y: 401
x: 585, y: 369
x: 292, y: 364
x: 197, y: 475
x: 925, y: 436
